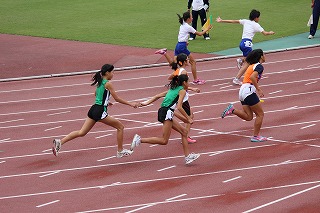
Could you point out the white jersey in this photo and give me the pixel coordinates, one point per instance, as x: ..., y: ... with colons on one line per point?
x: 197, y: 5
x: 184, y: 31
x: 250, y: 28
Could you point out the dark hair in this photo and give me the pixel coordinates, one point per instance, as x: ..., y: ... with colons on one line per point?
x: 97, y: 78
x: 254, y: 14
x: 182, y: 57
x: 178, y: 81
x: 184, y: 17
x: 254, y: 56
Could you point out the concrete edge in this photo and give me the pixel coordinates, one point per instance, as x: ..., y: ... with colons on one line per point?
x: 146, y: 66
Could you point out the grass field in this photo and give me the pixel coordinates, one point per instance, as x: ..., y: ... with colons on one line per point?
x: 142, y: 23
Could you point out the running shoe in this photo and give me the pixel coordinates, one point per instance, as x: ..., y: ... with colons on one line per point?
x: 310, y: 37
x: 136, y: 141
x: 190, y: 39
x: 56, y: 146
x: 161, y: 51
x: 190, y: 140
x: 192, y: 157
x: 207, y: 38
x: 227, y: 111
x: 258, y: 139
x: 239, y: 63
x: 124, y: 153
x: 237, y: 81
x: 198, y: 82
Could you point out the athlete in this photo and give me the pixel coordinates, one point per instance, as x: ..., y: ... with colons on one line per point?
x: 99, y: 113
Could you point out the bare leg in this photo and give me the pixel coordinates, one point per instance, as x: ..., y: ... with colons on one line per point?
x: 166, y: 129
x: 169, y: 59
x: 257, y: 109
x: 176, y: 126
x: 245, y: 114
x: 119, y: 127
x: 193, y: 67
x: 86, y: 127
x: 242, y: 70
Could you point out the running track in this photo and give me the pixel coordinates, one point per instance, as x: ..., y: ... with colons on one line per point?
x: 232, y: 174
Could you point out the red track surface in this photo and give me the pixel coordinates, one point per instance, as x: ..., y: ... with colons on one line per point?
x: 231, y: 175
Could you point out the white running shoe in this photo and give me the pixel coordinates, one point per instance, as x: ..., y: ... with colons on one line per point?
x: 56, y: 146
x: 192, y: 157
x: 310, y: 37
x: 136, y: 141
x: 190, y: 39
x: 237, y: 81
x: 124, y: 153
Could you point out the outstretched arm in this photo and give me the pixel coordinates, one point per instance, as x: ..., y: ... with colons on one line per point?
x: 220, y: 20
x: 154, y: 98
x: 113, y: 93
x: 267, y: 32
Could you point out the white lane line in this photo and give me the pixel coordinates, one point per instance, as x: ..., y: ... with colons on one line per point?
x: 47, y: 150
x: 173, y: 198
x: 102, y: 136
x: 181, y: 177
x: 58, y: 113
x: 275, y: 92
x: 3, y: 122
x: 190, y: 199
x: 112, y: 184
x: 235, y: 178
x: 2, y: 161
x: 57, y: 127
x: 154, y: 145
x: 143, y: 207
x: 45, y: 204
x: 6, y: 139
x: 216, y: 153
x: 51, y: 173
x: 226, y: 87
x: 311, y: 125
x: 281, y: 199
x: 106, y: 158
x: 313, y: 82
x: 198, y: 112
x: 170, y: 167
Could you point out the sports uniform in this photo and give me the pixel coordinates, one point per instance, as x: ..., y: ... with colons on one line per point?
x: 247, y: 92
x: 98, y: 111
x: 184, y: 31
x: 250, y: 28
x: 185, y: 104
x: 169, y: 104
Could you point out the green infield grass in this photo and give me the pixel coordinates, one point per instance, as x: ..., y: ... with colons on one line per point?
x: 147, y: 23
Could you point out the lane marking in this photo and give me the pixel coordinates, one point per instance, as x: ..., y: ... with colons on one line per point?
x: 170, y: 167
x: 143, y: 207
x: 235, y: 178
x: 173, y: 198
x: 281, y: 199
x: 313, y: 82
x: 102, y: 136
x: 311, y: 125
x: 270, y: 93
x: 45, y: 204
x: 3, y: 122
x: 52, y: 128
x: 106, y: 158
x: 112, y: 184
x: 2, y: 161
x: 198, y: 112
x: 6, y: 139
x: 47, y: 150
x: 51, y: 173
x: 58, y: 113
x: 181, y: 200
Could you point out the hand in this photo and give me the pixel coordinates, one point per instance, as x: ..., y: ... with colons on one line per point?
x: 260, y: 93
x: 271, y: 33
x: 218, y: 19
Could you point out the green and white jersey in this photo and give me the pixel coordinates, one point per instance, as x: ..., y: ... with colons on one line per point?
x: 171, y: 98
x: 102, y: 94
